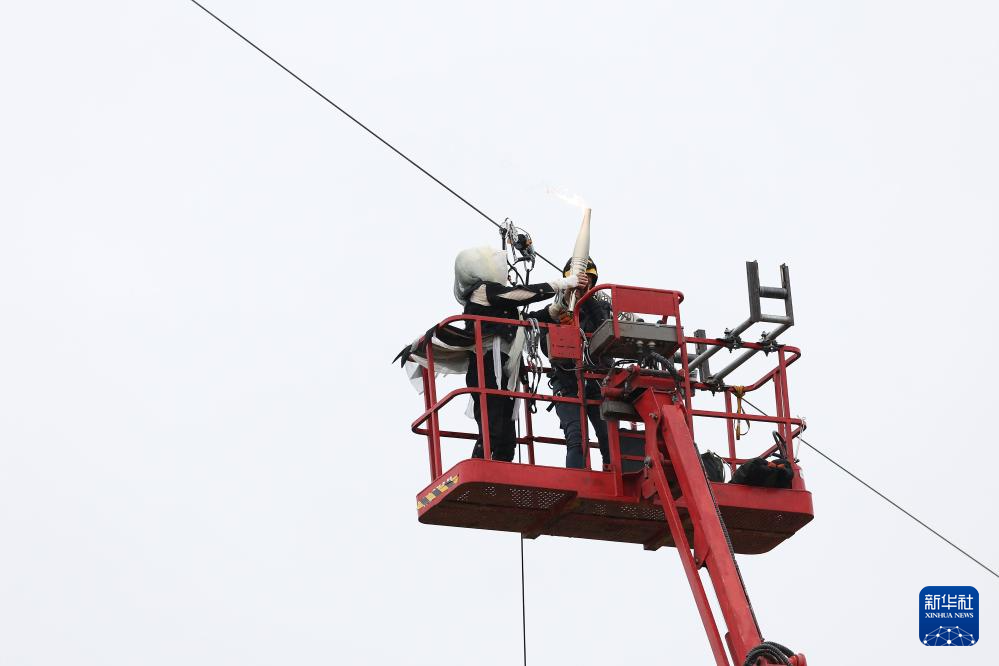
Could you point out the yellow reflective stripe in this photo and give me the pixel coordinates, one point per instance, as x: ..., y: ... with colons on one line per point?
x: 436, y: 492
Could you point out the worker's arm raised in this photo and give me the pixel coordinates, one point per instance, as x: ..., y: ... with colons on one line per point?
x: 493, y: 293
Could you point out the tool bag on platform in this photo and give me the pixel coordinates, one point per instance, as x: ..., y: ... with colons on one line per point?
x: 773, y: 473
x: 714, y: 468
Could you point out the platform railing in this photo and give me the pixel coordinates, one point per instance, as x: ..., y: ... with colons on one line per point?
x: 428, y: 423
x: 636, y: 299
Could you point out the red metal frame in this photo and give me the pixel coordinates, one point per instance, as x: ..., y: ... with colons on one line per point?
x: 672, y: 482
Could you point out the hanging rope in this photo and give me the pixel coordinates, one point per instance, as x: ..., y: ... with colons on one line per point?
x: 740, y: 391
x: 523, y: 587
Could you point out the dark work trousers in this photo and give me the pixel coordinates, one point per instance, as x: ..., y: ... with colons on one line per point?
x: 568, y: 416
x: 502, y: 431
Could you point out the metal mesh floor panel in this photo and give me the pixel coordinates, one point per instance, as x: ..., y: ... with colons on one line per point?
x: 513, y: 508
x: 764, y: 521
x: 623, y: 510
x: 509, y: 496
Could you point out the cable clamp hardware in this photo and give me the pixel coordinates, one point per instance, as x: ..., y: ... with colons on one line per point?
x: 732, y: 340
x: 767, y: 344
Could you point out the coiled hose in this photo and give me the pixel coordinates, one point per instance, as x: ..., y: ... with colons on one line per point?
x: 772, y: 651
x: 666, y: 364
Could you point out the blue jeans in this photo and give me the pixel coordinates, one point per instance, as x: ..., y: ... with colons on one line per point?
x: 568, y: 416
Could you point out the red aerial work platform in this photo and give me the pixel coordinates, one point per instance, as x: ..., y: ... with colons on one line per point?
x: 655, y: 492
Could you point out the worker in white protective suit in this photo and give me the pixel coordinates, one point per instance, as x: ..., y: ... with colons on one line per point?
x: 482, y: 287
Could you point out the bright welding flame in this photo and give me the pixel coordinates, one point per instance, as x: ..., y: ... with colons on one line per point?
x: 567, y: 197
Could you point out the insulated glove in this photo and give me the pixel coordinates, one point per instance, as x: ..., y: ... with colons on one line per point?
x: 560, y: 283
x: 560, y: 313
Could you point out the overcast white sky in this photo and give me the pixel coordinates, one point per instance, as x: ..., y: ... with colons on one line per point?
x: 205, y: 455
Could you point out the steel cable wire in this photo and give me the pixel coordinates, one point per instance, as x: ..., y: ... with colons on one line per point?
x: 886, y: 498
x: 362, y: 125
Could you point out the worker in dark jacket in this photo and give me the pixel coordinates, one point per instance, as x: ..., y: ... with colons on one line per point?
x: 481, y: 286
x: 593, y: 312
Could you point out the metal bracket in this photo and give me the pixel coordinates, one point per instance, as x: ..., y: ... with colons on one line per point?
x: 757, y: 293
x: 733, y: 340
x: 704, y: 371
x: 756, y: 315
x: 768, y: 344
